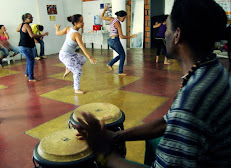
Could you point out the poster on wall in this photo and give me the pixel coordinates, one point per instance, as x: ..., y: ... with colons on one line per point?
x: 101, y: 6
x: 108, y: 13
x: 52, y: 10
x: 226, y: 5
x: 52, y: 18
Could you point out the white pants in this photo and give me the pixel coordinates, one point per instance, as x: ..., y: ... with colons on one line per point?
x: 74, y: 62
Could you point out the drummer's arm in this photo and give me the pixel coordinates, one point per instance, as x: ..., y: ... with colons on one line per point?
x: 114, y: 161
x: 148, y: 130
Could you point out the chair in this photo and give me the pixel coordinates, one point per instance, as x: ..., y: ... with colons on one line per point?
x: 8, y: 57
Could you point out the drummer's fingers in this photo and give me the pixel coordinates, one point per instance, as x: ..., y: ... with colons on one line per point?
x: 82, y: 124
x: 90, y: 119
x: 79, y: 136
x: 81, y: 133
x: 102, y: 124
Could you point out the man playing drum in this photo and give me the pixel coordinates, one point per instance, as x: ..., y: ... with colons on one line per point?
x: 196, y: 130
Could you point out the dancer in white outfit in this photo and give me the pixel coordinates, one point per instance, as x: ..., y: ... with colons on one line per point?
x: 67, y: 55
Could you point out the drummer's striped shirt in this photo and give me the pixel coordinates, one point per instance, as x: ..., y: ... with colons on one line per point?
x: 198, y: 132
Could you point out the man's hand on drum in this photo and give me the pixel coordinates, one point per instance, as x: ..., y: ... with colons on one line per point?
x: 93, y: 131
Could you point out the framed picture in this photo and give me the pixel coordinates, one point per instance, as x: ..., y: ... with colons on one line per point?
x: 101, y: 6
x: 52, y: 18
x: 52, y: 10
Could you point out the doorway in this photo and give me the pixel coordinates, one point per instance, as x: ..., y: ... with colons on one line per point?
x: 157, y: 10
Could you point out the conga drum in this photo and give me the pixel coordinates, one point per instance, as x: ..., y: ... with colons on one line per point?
x: 112, y: 116
x: 63, y: 149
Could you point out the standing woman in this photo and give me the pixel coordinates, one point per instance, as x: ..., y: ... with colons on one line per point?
x: 160, y: 36
x: 114, y: 40
x: 26, y: 44
x: 67, y: 55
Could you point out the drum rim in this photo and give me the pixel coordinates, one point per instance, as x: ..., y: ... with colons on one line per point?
x: 121, y: 120
x: 41, y: 161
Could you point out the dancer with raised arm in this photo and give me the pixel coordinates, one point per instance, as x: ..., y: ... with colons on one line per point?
x: 114, y: 40
x: 67, y: 55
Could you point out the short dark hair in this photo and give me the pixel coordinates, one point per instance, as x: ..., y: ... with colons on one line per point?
x: 24, y: 17
x: 1, y: 26
x: 121, y: 13
x: 40, y: 27
x: 74, y: 19
x: 202, y: 23
x: 164, y: 18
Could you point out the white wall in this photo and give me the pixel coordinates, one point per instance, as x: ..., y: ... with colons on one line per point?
x: 168, y: 6
x: 90, y: 9
x: 72, y: 7
x: 12, y: 18
x: 52, y: 42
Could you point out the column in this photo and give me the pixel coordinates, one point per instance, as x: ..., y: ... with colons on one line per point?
x: 118, y: 5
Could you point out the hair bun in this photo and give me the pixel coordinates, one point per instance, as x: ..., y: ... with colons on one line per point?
x: 69, y: 19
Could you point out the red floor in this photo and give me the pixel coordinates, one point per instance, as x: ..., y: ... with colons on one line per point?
x: 22, y: 107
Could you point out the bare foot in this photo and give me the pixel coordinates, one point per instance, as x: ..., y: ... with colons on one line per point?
x: 157, y: 58
x: 122, y: 74
x: 33, y: 80
x: 80, y: 92
x: 66, y: 73
x: 166, y: 63
x: 110, y: 67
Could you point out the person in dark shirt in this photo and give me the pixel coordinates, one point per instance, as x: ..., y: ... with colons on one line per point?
x: 160, y: 38
x: 26, y: 44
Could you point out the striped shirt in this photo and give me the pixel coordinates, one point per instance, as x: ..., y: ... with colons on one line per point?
x: 198, y: 132
x: 113, y: 29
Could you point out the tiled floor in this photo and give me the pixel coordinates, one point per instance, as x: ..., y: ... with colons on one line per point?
x: 31, y: 110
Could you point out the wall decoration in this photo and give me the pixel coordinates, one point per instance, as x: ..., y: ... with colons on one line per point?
x: 52, y: 18
x: 51, y: 10
x: 101, y: 6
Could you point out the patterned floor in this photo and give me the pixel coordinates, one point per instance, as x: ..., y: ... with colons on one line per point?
x: 31, y: 110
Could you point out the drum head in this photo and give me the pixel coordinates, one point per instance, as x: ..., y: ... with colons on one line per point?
x: 63, y: 146
x: 107, y: 112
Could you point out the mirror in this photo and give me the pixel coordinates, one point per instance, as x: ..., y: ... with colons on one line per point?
x: 137, y: 23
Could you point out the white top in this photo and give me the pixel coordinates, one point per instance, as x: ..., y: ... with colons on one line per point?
x: 69, y: 45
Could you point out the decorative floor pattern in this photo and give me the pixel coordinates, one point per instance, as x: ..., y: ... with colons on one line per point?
x: 39, y: 108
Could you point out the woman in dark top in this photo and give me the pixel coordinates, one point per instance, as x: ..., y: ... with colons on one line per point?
x: 26, y: 44
x: 160, y: 36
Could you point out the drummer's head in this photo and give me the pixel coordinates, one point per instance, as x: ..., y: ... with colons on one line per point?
x: 76, y: 20
x: 196, y: 24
